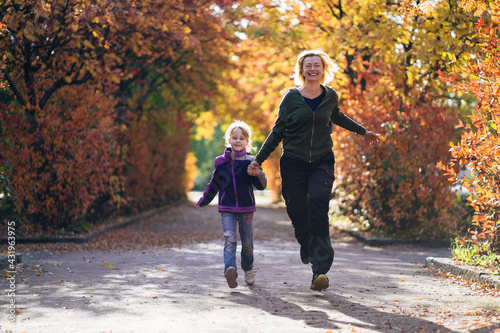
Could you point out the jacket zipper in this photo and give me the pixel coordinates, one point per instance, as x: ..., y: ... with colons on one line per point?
x: 234, y: 183
x: 314, y: 121
x: 312, y: 135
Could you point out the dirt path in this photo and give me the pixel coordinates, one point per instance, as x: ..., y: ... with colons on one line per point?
x: 162, y: 288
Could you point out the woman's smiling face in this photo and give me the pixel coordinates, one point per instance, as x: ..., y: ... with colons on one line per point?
x: 313, y: 68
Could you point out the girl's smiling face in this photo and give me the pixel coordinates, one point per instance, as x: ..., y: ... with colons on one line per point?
x: 238, y: 141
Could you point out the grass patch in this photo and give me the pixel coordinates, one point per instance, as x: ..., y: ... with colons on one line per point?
x: 476, y: 254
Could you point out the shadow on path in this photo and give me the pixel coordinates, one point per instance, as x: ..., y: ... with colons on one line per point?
x: 328, y: 316
x: 122, y: 291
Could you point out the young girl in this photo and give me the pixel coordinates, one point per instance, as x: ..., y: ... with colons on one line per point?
x: 236, y: 199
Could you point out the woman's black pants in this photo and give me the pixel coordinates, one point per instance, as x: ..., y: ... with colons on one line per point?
x: 306, y: 188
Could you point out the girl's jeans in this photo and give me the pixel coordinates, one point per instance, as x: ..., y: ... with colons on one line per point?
x: 307, y: 188
x: 245, y: 222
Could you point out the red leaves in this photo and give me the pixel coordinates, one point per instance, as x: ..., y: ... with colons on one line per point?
x: 54, y: 170
x: 82, y: 139
x: 152, y: 164
x: 398, y: 186
x: 479, y: 148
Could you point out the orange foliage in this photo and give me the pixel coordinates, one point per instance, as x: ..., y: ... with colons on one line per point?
x: 59, y: 168
x: 190, y: 174
x: 153, y: 171
x: 80, y: 136
x: 387, y: 76
x: 479, y: 148
x: 3, y: 62
x: 396, y: 186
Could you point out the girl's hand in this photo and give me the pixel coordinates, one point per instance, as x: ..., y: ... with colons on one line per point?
x: 373, y: 138
x: 196, y: 205
x: 254, y: 169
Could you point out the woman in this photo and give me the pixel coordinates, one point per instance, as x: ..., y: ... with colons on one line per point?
x: 305, y: 123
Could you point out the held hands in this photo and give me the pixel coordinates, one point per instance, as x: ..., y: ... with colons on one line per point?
x: 253, y: 169
x: 372, y: 138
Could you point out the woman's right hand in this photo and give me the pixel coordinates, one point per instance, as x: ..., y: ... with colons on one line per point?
x: 253, y: 169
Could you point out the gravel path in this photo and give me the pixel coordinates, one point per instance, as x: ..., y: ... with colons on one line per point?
x: 182, y: 288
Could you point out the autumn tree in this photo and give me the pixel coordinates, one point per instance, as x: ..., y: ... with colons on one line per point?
x: 162, y: 92
x: 46, y: 147
x: 401, y: 188
x: 92, y: 67
x: 388, y: 81
x: 269, y: 40
x: 477, y: 152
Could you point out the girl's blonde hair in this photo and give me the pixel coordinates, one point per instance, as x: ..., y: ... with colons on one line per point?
x: 329, y: 67
x: 245, y: 129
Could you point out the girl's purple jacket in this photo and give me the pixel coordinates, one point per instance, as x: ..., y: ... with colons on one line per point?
x: 233, y: 183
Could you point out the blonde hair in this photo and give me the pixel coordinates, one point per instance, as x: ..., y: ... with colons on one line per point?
x: 245, y: 129
x: 329, y: 67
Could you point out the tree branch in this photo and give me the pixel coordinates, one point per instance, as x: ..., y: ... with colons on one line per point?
x: 58, y: 84
x: 13, y: 87
x: 61, y: 83
x: 339, y: 7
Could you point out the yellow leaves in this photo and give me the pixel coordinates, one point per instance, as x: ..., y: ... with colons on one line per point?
x: 88, y: 44
x: 138, y: 38
x: 495, y: 11
x: 479, y: 6
x: 205, y: 123
x: 426, y: 7
x: 450, y: 56
x: 191, y: 170
x: 409, y: 78
x: 115, y: 78
x: 109, y: 266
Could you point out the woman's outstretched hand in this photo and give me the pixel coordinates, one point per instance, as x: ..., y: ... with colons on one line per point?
x: 372, y: 138
x: 253, y: 169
